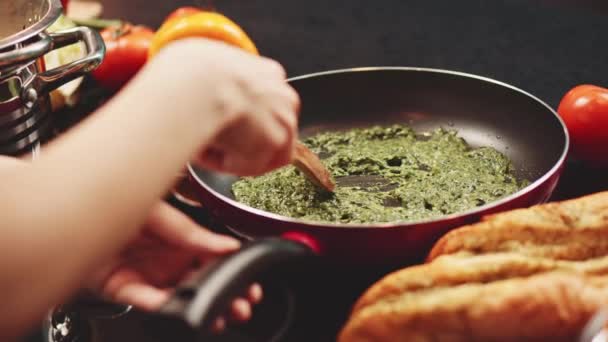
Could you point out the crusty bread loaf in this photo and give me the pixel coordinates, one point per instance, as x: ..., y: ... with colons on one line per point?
x: 547, y: 307
x: 454, y: 270
x: 535, y: 274
x: 571, y: 230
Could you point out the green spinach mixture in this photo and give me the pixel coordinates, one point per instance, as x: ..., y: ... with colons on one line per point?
x: 385, y: 174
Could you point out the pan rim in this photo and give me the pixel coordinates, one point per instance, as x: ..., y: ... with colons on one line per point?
x: 389, y: 225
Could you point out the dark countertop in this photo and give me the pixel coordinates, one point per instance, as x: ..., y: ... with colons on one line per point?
x: 544, y: 47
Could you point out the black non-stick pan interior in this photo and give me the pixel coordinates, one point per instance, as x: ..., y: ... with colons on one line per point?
x: 484, y: 112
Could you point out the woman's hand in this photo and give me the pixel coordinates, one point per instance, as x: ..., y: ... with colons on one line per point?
x: 198, y: 99
x: 167, y: 250
x: 245, y: 114
x: 245, y: 106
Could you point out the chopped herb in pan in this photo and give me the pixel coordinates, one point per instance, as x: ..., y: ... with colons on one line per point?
x: 386, y: 174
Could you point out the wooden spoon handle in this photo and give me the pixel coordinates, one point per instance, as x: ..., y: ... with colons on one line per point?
x: 310, y: 164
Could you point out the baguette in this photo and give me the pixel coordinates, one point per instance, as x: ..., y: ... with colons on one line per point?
x: 534, y: 274
x: 576, y: 229
x: 551, y: 306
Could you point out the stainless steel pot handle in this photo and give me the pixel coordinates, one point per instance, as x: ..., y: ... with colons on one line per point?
x: 27, y: 53
x: 54, y: 78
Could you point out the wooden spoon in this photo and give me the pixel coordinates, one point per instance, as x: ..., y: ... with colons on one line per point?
x: 310, y: 164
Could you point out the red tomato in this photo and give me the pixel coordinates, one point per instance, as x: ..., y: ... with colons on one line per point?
x: 126, y: 53
x: 64, y: 4
x: 584, y: 110
x: 183, y: 12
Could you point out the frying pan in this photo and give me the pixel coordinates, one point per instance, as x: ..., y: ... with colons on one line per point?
x: 483, y: 111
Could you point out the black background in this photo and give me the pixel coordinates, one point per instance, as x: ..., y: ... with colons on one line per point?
x: 544, y: 47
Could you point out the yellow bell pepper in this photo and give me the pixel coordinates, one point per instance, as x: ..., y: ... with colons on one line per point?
x: 205, y: 24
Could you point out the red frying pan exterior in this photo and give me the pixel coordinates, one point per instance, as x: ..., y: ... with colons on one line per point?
x: 361, y: 245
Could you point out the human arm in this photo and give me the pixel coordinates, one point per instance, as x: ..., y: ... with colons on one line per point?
x: 92, y: 189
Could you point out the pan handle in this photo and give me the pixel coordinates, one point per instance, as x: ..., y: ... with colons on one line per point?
x: 209, y: 292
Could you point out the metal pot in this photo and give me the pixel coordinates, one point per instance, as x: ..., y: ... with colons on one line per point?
x: 25, y: 111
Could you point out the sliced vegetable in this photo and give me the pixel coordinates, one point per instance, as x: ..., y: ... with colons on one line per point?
x: 67, y: 94
x: 96, y: 23
x: 584, y: 110
x: 126, y: 53
x: 85, y: 9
